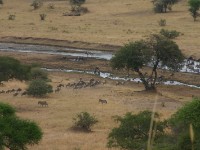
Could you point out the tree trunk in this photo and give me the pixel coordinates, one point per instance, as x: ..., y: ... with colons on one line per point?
x: 147, y: 86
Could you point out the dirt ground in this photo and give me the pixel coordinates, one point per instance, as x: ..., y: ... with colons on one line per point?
x: 56, y: 119
x: 107, y: 23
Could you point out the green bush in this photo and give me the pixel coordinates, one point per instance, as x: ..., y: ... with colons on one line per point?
x: 84, y: 121
x: 39, y: 88
x: 37, y: 73
x: 171, y: 34
x: 36, y: 4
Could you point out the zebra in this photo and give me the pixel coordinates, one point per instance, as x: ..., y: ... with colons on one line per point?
x: 103, y: 101
x: 43, y: 103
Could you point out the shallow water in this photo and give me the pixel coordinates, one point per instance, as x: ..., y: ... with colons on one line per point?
x: 112, y: 77
x: 55, y: 50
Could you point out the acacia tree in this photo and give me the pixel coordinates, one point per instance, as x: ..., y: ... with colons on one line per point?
x: 155, y: 51
x: 12, y: 68
x: 16, y: 133
x: 194, y: 7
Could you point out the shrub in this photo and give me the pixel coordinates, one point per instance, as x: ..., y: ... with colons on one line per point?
x: 158, y: 8
x: 162, y: 22
x: 1, y: 2
x: 37, y: 4
x: 77, y: 2
x: 42, y: 17
x: 11, y: 17
x: 37, y: 73
x: 171, y: 34
x: 51, y: 6
x: 39, y: 88
x: 84, y: 121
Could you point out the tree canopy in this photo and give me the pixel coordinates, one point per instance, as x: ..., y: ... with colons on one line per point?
x: 133, y: 131
x: 156, y: 50
x: 185, y: 125
x: 12, y: 68
x: 16, y: 133
x: 194, y: 8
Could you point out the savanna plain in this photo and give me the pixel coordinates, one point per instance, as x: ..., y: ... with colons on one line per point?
x: 107, y: 26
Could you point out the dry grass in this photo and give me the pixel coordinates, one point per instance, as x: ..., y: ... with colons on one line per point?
x: 109, y: 22
x: 56, y: 119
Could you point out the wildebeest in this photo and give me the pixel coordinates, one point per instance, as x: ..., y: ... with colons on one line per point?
x: 24, y: 93
x: 103, y: 101
x: 43, y: 103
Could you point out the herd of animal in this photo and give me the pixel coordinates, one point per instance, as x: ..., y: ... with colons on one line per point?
x: 15, y: 92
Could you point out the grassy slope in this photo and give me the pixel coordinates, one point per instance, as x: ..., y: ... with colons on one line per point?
x: 110, y: 22
x: 56, y: 119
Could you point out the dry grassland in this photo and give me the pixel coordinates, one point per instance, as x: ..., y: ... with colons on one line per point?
x: 109, y: 22
x: 56, y: 119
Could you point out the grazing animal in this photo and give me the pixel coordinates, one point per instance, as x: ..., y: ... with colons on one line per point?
x: 15, y: 94
x: 24, y: 93
x: 43, y: 103
x: 103, y: 101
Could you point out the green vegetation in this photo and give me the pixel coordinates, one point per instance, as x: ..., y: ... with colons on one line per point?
x: 84, y: 121
x: 11, y: 68
x: 171, y: 34
x: 133, y: 131
x: 185, y: 125
x: 161, y: 6
x: 37, y: 73
x: 194, y: 8
x: 157, y: 49
x: 16, y: 133
x: 39, y: 88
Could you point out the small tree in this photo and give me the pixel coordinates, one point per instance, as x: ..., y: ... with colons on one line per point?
x: 84, y: 121
x: 185, y: 125
x: 16, y: 133
x: 133, y: 131
x: 156, y: 50
x: 194, y: 7
x: 12, y: 68
x: 171, y: 34
x: 161, y: 6
x: 39, y: 88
